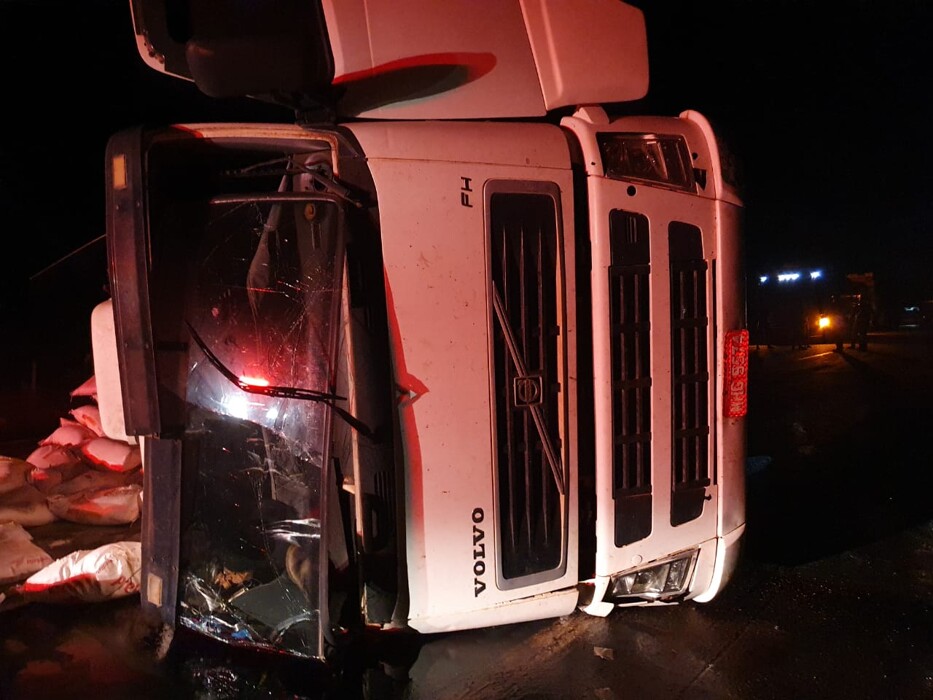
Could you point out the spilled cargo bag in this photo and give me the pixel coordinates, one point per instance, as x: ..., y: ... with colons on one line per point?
x: 19, y: 557
x: 26, y: 506
x: 110, y: 571
x: 13, y: 474
x: 108, y: 506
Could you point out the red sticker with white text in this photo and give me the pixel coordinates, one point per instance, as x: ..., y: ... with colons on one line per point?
x: 735, y: 374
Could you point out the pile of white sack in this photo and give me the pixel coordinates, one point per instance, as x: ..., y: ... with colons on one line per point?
x: 76, y: 474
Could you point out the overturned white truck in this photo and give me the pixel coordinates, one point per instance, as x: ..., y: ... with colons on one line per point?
x: 456, y: 349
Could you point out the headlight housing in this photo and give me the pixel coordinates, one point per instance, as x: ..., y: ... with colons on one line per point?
x: 659, y: 581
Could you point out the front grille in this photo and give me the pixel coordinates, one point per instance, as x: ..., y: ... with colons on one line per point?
x: 526, y: 337
x: 630, y: 348
x: 690, y: 373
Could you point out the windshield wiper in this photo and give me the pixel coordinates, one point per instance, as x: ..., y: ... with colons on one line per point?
x: 283, y: 392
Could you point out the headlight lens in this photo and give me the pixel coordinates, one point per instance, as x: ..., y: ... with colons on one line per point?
x: 667, y: 579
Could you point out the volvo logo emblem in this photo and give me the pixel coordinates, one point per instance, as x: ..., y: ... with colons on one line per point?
x: 527, y: 391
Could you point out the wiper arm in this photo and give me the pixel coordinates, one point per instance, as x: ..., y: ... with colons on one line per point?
x: 330, y: 184
x: 282, y: 392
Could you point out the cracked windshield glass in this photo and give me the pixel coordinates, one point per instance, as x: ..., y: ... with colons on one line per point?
x: 262, y: 294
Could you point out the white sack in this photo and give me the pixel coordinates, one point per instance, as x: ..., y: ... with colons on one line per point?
x: 13, y: 474
x: 93, y: 480
x: 69, y: 434
x: 26, y: 506
x: 19, y: 557
x: 114, y: 455
x: 89, y: 388
x: 89, y: 417
x: 57, y: 456
x: 110, y: 571
x: 45, y: 479
x: 109, y: 506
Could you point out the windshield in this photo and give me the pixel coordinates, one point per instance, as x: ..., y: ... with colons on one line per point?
x: 263, y: 307
x: 252, y: 281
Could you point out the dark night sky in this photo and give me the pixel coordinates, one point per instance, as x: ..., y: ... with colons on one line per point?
x: 830, y: 114
x: 827, y: 110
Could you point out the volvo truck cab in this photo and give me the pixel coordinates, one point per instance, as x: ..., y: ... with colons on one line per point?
x: 457, y: 348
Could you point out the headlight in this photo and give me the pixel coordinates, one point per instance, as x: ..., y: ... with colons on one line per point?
x: 667, y: 579
x: 824, y: 321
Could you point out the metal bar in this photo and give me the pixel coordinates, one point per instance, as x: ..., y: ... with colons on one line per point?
x: 535, y: 411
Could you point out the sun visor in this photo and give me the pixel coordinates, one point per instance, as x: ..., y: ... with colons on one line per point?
x: 589, y: 51
x: 402, y: 59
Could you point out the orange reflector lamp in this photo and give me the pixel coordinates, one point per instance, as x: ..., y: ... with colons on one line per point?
x: 735, y: 374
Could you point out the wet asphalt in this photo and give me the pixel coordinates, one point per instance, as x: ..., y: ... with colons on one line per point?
x: 833, y: 596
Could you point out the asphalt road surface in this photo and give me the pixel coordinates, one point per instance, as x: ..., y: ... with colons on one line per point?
x: 833, y: 596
